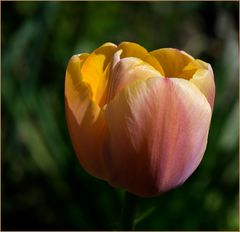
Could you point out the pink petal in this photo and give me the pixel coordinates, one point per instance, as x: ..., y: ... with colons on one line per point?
x: 126, y: 71
x: 158, y: 132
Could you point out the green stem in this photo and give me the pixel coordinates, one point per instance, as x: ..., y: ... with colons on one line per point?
x: 128, y: 210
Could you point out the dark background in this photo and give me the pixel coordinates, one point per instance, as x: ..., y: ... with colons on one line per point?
x: 43, y: 185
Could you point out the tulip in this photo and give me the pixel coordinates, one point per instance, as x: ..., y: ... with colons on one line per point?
x: 139, y: 119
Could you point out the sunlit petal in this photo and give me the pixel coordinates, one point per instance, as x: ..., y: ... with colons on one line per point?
x: 128, y: 70
x: 95, y: 72
x: 158, y: 134
x: 136, y: 119
x: 204, y: 80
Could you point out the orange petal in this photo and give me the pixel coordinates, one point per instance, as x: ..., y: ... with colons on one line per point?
x: 130, y: 49
x: 84, y: 119
x: 172, y: 60
x: 158, y: 134
x: 95, y: 73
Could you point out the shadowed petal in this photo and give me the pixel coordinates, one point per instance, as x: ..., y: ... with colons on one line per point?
x: 172, y: 60
x: 130, y: 49
x: 84, y: 119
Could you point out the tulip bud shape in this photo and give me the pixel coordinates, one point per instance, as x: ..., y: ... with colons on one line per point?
x: 139, y: 119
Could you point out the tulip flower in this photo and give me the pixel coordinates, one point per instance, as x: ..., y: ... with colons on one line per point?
x: 139, y: 119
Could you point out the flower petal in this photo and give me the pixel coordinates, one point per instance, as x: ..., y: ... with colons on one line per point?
x: 158, y: 133
x: 130, y: 49
x: 95, y: 73
x: 172, y: 60
x: 128, y: 70
x: 85, y: 121
x: 204, y: 80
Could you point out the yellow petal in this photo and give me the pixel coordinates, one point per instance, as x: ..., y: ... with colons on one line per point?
x: 84, y: 119
x: 172, y: 60
x: 203, y: 78
x: 130, y: 49
x: 95, y: 71
x: 73, y: 77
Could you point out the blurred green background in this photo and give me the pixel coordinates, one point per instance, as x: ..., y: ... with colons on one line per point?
x: 43, y: 185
